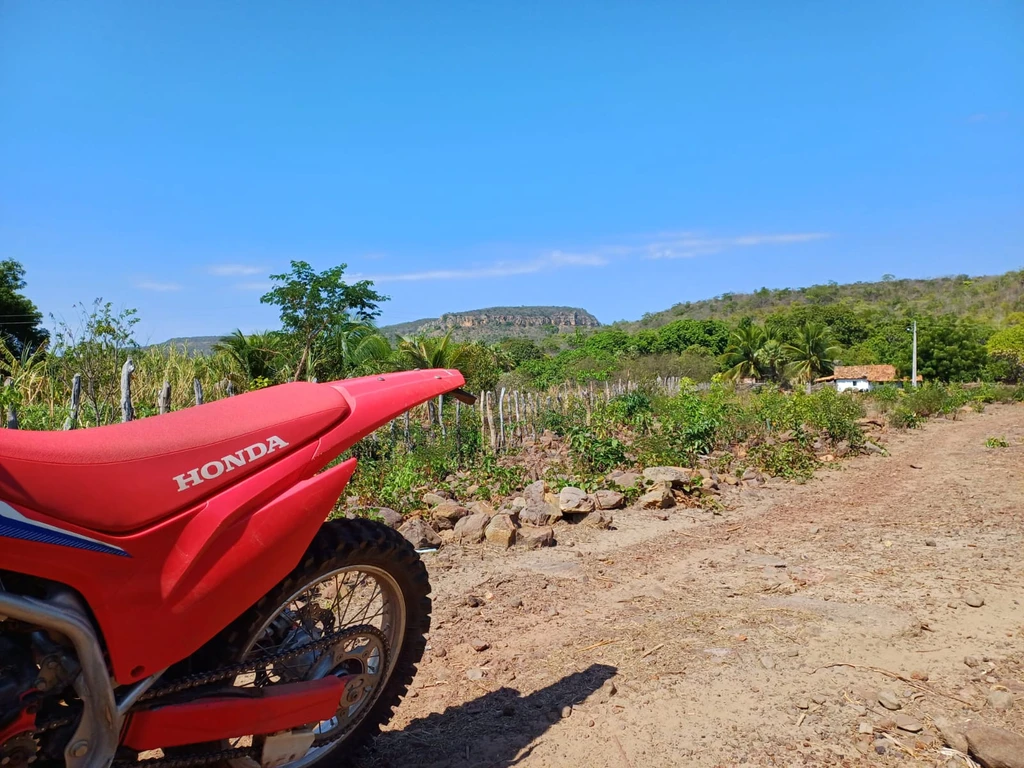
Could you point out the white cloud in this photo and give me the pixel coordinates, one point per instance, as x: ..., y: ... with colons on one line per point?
x: 663, y: 245
x: 234, y: 270
x: 553, y: 260
x: 688, y: 247
x: 255, y: 285
x: 153, y: 285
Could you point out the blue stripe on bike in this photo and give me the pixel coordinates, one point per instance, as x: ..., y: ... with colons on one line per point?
x: 16, y: 526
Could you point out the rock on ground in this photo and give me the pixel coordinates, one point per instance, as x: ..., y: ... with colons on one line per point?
x: 609, y: 500
x: 534, y: 492
x: 599, y: 519
x: 623, y: 479
x: 908, y: 724
x: 470, y: 529
x: 535, y: 537
x: 995, y: 747
x: 419, y: 534
x: 888, y: 699
x: 540, y: 513
x: 445, y: 515
x: 677, y: 477
x: 952, y: 734
x: 501, y: 531
x: 574, y: 500
x: 1000, y: 699
x: 481, y: 508
x: 658, y: 498
x: 433, y: 499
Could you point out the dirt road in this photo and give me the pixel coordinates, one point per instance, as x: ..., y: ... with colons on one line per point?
x: 709, y: 640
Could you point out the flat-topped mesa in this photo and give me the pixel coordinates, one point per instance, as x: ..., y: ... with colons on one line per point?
x: 561, y: 317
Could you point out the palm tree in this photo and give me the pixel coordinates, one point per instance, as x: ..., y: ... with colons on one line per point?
x: 772, y: 359
x: 741, y: 355
x: 353, y: 349
x: 258, y: 355
x: 431, y: 352
x: 811, y: 352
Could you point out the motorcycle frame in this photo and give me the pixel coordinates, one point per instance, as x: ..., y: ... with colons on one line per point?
x: 194, y: 569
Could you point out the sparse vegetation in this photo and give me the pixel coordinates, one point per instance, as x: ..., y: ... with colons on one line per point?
x: 328, y: 334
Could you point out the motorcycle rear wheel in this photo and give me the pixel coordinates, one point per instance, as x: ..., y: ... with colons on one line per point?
x: 355, y: 573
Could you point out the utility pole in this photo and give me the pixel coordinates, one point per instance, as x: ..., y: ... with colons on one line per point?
x: 913, y: 368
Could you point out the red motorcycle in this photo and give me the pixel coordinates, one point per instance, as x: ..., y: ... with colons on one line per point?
x: 170, y: 595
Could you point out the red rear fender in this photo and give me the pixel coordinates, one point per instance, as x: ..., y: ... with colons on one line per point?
x: 375, y: 400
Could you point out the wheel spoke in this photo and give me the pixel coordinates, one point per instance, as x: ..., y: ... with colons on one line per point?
x: 348, y: 597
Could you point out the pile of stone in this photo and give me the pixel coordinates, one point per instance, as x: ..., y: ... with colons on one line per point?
x: 531, y: 519
x: 528, y: 520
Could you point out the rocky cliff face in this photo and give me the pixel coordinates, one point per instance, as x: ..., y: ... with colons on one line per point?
x: 562, y: 318
x: 496, y: 323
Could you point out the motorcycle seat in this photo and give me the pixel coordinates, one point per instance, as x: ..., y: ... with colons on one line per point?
x: 123, y: 477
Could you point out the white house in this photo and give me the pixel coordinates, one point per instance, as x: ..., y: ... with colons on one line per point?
x: 862, y: 378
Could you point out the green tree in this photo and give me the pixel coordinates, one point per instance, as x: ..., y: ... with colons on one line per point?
x: 352, y: 349
x: 482, y: 365
x: 520, y: 350
x: 1006, y: 347
x: 771, y: 358
x: 257, y: 356
x: 20, y: 320
x: 740, y: 358
x: 811, y: 352
x: 680, y: 335
x: 848, y: 327
x: 431, y: 352
x: 311, y: 303
x: 951, y: 349
x: 96, y: 347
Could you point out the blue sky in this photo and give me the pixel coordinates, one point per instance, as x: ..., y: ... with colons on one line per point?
x: 619, y: 156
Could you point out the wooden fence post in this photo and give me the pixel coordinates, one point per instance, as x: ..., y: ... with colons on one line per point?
x: 481, y: 403
x: 230, y: 388
x: 501, y: 418
x: 408, y: 438
x: 458, y: 430
x: 440, y: 415
x: 197, y: 386
x: 127, y: 411
x: 76, y: 397
x: 163, y: 401
x: 490, y: 421
x: 12, y: 412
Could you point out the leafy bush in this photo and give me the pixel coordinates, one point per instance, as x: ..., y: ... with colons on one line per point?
x: 834, y: 414
x: 634, y: 409
x: 996, y: 442
x: 689, y: 425
x: 903, y: 417
x: 789, y: 459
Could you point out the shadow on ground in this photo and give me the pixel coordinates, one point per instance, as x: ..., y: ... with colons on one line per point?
x: 492, y: 731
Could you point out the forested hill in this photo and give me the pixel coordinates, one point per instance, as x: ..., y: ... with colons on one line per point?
x: 989, y: 299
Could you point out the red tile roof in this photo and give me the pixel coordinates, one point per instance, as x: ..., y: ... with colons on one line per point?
x: 869, y: 372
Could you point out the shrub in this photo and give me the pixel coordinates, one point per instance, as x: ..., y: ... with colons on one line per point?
x: 834, y: 414
x: 691, y: 424
x: 789, y: 459
x: 903, y: 417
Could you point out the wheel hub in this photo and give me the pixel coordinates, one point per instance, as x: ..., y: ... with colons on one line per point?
x: 363, y: 659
